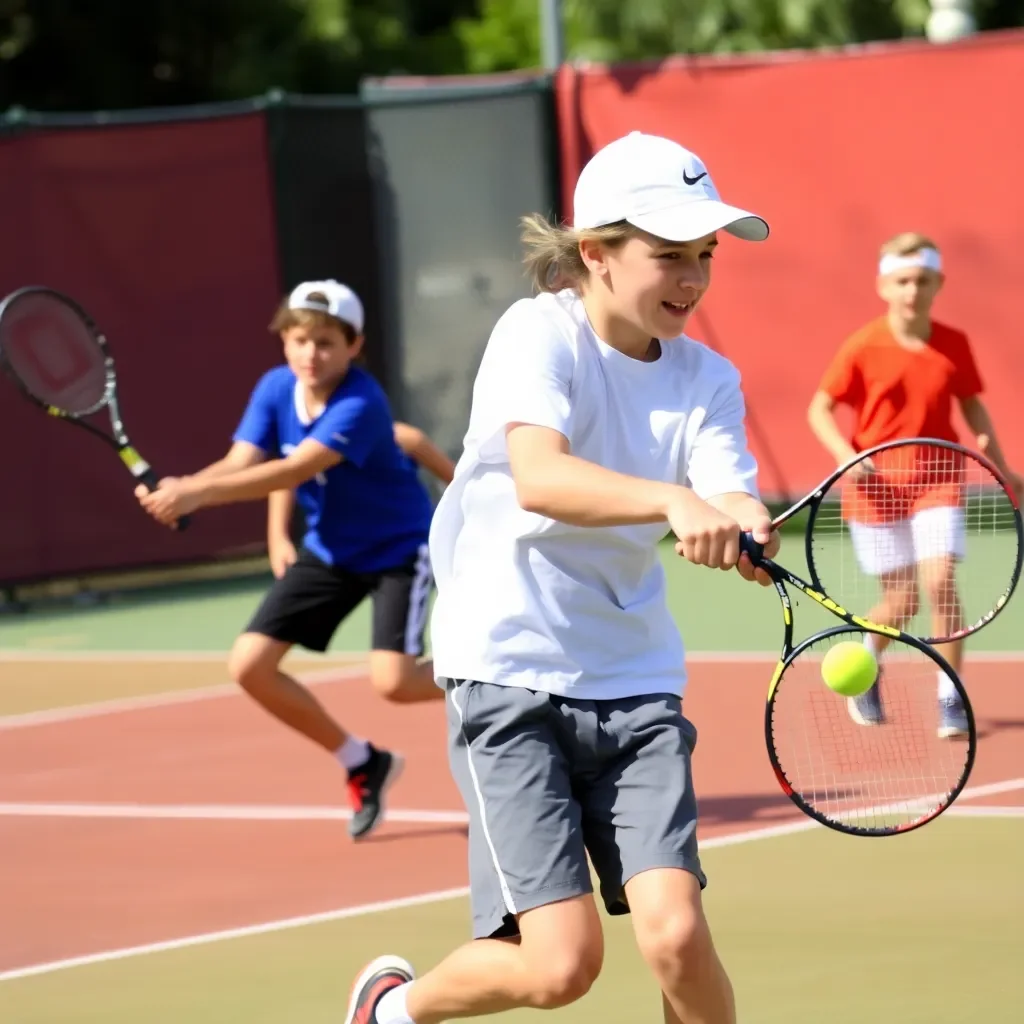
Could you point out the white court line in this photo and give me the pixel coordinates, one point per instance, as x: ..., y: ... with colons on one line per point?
x: 336, y: 915
x: 299, y: 812
x: 986, y: 812
x: 218, y: 812
x: 340, y: 671
x: 97, y: 709
x: 283, y: 924
x: 927, y: 803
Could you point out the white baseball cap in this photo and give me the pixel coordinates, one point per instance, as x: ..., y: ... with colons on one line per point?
x: 342, y: 302
x: 660, y: 187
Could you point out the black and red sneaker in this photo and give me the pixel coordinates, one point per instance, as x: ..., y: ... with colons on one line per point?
x: 367, y: 787
x: 377, y: 980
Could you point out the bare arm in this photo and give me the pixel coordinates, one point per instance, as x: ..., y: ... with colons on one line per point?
x: 554, y: 483
x: 415, y: 443
x: 176, y: 498
x: 742, y: 507
x: 824, y: 427
x: 980, y: 422
x: 280, y: 549
x: 241, y: 455
x: 280, y: 505
x: 302, y: 464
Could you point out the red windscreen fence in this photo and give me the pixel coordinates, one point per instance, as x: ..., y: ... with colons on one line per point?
x: 165, y: 234
x: 838, y: 151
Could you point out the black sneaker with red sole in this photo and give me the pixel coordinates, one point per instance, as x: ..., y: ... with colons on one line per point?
x: 367, y: 789
x: 378, y: 979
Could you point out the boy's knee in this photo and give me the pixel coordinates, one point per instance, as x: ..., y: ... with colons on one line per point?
x: 395, y: 677
x: 676, y: 943
x: 562, y: 980
x: 253, y: 662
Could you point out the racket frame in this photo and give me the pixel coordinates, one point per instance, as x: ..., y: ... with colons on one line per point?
x: 790, y: 654
x: 118, y: 439
x: 815, y: 589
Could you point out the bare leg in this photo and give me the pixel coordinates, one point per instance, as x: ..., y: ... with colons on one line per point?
x: 402, y: 678
x: 675, y: 940
x: 898, y: 603
x: 939, y: 578
x: 554, y: 963
x: 254, y: 664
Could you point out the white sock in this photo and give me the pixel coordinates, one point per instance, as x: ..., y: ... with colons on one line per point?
x: 391, y: 1009
x: 947, y: 691
x: 352, y: 753
x: 872, y: 641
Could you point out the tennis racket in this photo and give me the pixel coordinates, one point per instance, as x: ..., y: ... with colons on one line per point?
x: 59, y: 359
x: 901, y: 526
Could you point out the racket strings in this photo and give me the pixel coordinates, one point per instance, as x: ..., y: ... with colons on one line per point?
x: 53, y: 354
x: 923, y: 538
x: 876, y: 777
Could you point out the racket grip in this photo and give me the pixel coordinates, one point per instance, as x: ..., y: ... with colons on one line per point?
x: 752, y: 547
x: 151, y: 480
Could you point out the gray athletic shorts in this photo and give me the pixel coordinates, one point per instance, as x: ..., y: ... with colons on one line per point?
x: 547, y: 780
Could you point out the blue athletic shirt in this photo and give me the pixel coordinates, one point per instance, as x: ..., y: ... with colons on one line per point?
x: 369, y: 513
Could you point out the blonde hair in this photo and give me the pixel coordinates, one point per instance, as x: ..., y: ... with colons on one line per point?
x: 551, y: 252
x: 286, y: 318
x: 906, y: 244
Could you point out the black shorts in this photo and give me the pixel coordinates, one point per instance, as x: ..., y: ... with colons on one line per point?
x: 308, y: 603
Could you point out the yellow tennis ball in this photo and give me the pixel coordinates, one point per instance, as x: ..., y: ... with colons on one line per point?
x: 849, y: 668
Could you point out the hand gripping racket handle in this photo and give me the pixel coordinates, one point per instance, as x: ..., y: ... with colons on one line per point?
x: 151, y: 480
x: 752, y: 547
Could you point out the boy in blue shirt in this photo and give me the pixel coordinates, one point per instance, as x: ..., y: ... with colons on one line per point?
x: 321, y: 426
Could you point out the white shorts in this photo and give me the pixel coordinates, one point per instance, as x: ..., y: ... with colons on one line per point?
x: 932, y: 533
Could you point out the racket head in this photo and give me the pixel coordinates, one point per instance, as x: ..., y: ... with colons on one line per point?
x: 934, y: 532
x: 53, y: 350
x: 867, y: 780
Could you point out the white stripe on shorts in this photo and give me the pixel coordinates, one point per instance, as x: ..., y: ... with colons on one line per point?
x: 506, y: 892
x: 416, y: 615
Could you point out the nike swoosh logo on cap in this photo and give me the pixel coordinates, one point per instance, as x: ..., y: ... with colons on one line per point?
x: 693, y: 181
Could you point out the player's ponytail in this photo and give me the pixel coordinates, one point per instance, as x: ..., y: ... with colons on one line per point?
x: 551, y: 252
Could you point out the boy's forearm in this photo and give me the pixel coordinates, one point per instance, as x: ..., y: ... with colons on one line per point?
x: 215, y: 469
x: 280, y: 505
x: 240, y: 456
x: 824, y: 427
x: 434, y: 461
x: 980, y: 422
x: 581, y: 493
x: 742, y: 507
x: 251, y: 484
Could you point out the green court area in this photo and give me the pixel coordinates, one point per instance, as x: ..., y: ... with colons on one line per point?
x: 813, y: 927
x: 716, y: 611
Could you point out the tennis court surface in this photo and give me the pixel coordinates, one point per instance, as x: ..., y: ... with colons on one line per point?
x: 169, y: 853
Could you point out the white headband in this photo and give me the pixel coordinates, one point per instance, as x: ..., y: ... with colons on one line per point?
x: 927, y: 258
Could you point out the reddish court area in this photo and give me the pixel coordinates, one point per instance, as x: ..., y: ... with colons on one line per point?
x: 75, y: 885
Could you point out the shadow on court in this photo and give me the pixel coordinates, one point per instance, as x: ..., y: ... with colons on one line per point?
x: 991, y: 726
x: 756, y: 808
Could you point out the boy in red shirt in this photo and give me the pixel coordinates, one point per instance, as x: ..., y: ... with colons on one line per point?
x: 901, y: 374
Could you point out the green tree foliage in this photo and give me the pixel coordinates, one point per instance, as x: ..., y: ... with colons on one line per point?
x: 505, y: 33
x: 105, y: 54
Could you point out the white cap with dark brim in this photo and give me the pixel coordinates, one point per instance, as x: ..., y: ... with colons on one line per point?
x: 341, y: 302
x: 660, y: 187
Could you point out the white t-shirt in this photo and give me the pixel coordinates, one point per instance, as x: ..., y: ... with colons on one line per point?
x: 524, y: 600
